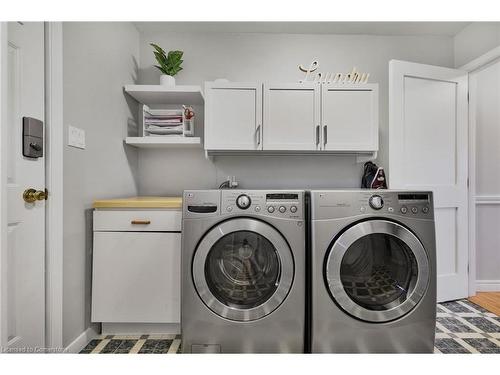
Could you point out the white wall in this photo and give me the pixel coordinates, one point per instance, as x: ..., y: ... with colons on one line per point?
x: 273, y: 57
x: 99, y: 58
x: 485, y: 96
x: 475, y: 40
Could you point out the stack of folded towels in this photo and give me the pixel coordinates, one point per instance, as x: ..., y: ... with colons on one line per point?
x: 163, y: 122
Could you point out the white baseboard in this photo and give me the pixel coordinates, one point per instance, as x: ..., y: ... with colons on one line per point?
x: 488, y: 285
x: 82, y: 340
x: 140, y: 328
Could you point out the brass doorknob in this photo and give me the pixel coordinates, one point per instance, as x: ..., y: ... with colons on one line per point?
x: 32, y: 195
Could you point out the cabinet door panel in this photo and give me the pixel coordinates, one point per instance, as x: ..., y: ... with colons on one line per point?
x: 233, y: 116
x: 136, y: 277
x: 291, y: 116
x: 350, y: 118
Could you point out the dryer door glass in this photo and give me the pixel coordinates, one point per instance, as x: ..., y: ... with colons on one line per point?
x: 377, y: 270
x: 242, y: 269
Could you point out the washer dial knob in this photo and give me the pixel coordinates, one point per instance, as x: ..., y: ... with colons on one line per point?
x: 376, y: 202
x: 243, y: 201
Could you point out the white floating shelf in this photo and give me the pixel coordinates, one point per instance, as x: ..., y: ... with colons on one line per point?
x: 163, y: 142
x: 159, y: 94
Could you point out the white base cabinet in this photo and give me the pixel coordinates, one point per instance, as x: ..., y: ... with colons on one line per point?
x: 136, y: 268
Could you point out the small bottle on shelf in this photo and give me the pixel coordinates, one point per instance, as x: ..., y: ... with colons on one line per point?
x: 188, y: 121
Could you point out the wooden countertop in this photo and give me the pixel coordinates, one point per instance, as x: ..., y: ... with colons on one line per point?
x: 140, y: 202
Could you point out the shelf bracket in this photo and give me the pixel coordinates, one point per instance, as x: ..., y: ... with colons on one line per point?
x: 209, y: 156
x: 363, y: 158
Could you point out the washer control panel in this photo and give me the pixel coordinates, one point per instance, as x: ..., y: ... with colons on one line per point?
x: 285, y: 204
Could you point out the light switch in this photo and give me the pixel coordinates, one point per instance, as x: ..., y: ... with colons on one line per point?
x: 76, y: 137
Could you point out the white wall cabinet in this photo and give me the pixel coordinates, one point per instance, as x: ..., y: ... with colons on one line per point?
x: 291, y: 117
x: 136, y: 266
x: 349, y: 116
x: 233, y: 116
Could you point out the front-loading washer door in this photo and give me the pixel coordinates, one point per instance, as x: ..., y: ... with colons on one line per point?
x: 243, y: 269
x: 377, y: 270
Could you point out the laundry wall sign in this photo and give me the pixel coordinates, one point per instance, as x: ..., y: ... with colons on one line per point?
x: 313, y: 75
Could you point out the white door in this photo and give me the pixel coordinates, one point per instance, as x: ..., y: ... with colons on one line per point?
x: 349, y: 115
x: 25, y: 276
x: 428, y: 151
x: 291, y: 116
x: 233, y: 116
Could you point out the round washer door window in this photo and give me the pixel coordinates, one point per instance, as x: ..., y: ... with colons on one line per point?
x: 377, y: 270
x: 243, y: 269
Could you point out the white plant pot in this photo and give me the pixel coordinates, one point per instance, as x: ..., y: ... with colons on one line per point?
x: 167, y: 80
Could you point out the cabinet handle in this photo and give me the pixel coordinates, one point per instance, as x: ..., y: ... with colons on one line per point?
x: 140, y: 222
x: 325, y: 134
x: 317, y: 135
x: 258, y: 135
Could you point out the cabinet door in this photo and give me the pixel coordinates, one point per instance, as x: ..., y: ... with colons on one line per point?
x: 291, y: 116
x: 233, y: 116
x: 349, y: 117
x: 136, y: 277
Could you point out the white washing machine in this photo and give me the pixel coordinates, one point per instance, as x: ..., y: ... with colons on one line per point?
x: 243, y: 271
x: 373, y: 275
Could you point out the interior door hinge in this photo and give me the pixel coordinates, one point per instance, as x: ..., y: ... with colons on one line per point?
x: 467, y: 96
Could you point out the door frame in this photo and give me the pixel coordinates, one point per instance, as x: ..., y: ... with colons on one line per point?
x: 54, y: 183
x: 472, y: 66
x: 3, y: 183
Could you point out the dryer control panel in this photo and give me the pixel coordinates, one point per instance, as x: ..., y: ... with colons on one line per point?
x: 345, y: 203
x: 414, y: 204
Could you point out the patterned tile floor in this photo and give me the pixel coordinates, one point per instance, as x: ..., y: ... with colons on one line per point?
x: 461, y: 327
x: 134, y: 344
x: 464, y: 327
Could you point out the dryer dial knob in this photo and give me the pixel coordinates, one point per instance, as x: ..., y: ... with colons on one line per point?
x: 376, y: 202
x: 243, y: 201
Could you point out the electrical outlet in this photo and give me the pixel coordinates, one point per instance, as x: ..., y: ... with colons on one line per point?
x: 76, y: 137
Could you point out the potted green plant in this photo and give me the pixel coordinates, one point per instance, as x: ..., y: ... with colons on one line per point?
x: 168, y: 63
